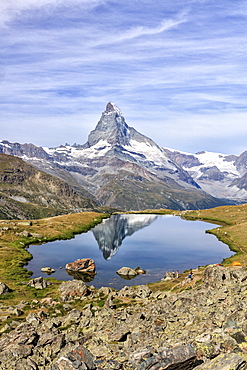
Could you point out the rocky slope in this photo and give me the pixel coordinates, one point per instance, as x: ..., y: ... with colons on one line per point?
x: 201, y: 328
x: 223, y: 176
x: 26, y: 192
x: 120, y: 167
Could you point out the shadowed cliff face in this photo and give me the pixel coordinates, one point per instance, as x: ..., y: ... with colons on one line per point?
x: 111, y: 233
x: 26, y: 192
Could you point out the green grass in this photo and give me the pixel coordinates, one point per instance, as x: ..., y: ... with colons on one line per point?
x: 14, y: 255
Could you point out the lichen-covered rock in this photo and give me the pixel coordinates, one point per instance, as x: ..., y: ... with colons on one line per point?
x: 201, y: 328
x: 74, y: 289
x: 180, y: 357
x: 232, y: 361
x: 215, y: 276
x: 78, y: 358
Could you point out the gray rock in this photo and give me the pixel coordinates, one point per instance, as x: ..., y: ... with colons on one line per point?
x: 232, y: 361
x: 73, y: 289
x: 36, y: 235
x: 79, y: 358
x: 4, y: 289
x: 179, y: 357
x: 127, y: 271
x: 215, y: 276
x: 25, y: 234
x: 38, y: 283
x: 48, y: 270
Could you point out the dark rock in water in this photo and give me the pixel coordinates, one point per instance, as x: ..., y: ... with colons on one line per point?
x: 85, y: 265
x: 73, y: 290
x: 4, y: 289
x: 127, y: 271
x: 47, y: 270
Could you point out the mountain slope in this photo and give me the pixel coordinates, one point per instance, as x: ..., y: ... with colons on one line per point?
x: 26, y: 192
x: 120, y: 168
x: 223, y: 176
x: 127, y: 170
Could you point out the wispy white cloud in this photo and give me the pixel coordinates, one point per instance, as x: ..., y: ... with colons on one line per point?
x: 164, y: 62
x: 10, y: 9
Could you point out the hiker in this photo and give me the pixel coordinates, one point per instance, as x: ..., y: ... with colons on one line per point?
x: 173, y: 274
x: 190, y: 276
x: 177, y: 274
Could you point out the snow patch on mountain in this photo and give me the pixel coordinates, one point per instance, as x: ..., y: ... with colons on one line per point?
x: 214, y: 172
x: 152, y: 153
x: 209, y: 159
x: 97, y: 150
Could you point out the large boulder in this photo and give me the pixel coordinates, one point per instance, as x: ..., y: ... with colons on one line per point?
x: 180, y: 357
x: 233, y: 361
x: 216, y: 276
x: 84, y: 265
x: 74, y: 289
x: 78, y: 358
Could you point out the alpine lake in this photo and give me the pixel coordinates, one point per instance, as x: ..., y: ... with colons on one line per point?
x: 155, y: 243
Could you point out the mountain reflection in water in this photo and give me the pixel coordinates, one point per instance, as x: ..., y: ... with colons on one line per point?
x: 111, y: 232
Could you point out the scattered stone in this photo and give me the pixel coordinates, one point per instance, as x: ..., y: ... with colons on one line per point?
x: 38, y: 283
x: 127, y: 271
x: 24, y: 223
x: 25, y: 234
x: 4, y: 289
x: 48, y: 270
x: 140, y: 270
x: 36, y: 235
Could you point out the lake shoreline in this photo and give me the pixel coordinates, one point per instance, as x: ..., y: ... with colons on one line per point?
x: 232, y: 233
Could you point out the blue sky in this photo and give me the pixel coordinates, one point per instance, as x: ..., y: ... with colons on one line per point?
x: 176, y: 69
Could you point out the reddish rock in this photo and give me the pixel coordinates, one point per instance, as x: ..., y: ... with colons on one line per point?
x: 85, y: 265
x: 74, y: 289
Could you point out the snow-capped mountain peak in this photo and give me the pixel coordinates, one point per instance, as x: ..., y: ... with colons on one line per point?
x: 112, y: 108
x: 125, y: 169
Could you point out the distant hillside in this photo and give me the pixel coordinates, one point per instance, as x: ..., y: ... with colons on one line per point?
x: 28, y: 193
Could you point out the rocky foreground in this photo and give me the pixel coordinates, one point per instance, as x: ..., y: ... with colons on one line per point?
x: 203, y: 328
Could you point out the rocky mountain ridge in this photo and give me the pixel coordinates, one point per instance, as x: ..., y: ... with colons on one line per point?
x: 124, y: 169
x: 26, y: 192
x: 223, y: 176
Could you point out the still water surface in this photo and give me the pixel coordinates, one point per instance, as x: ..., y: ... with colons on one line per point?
x: 152, y: 242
